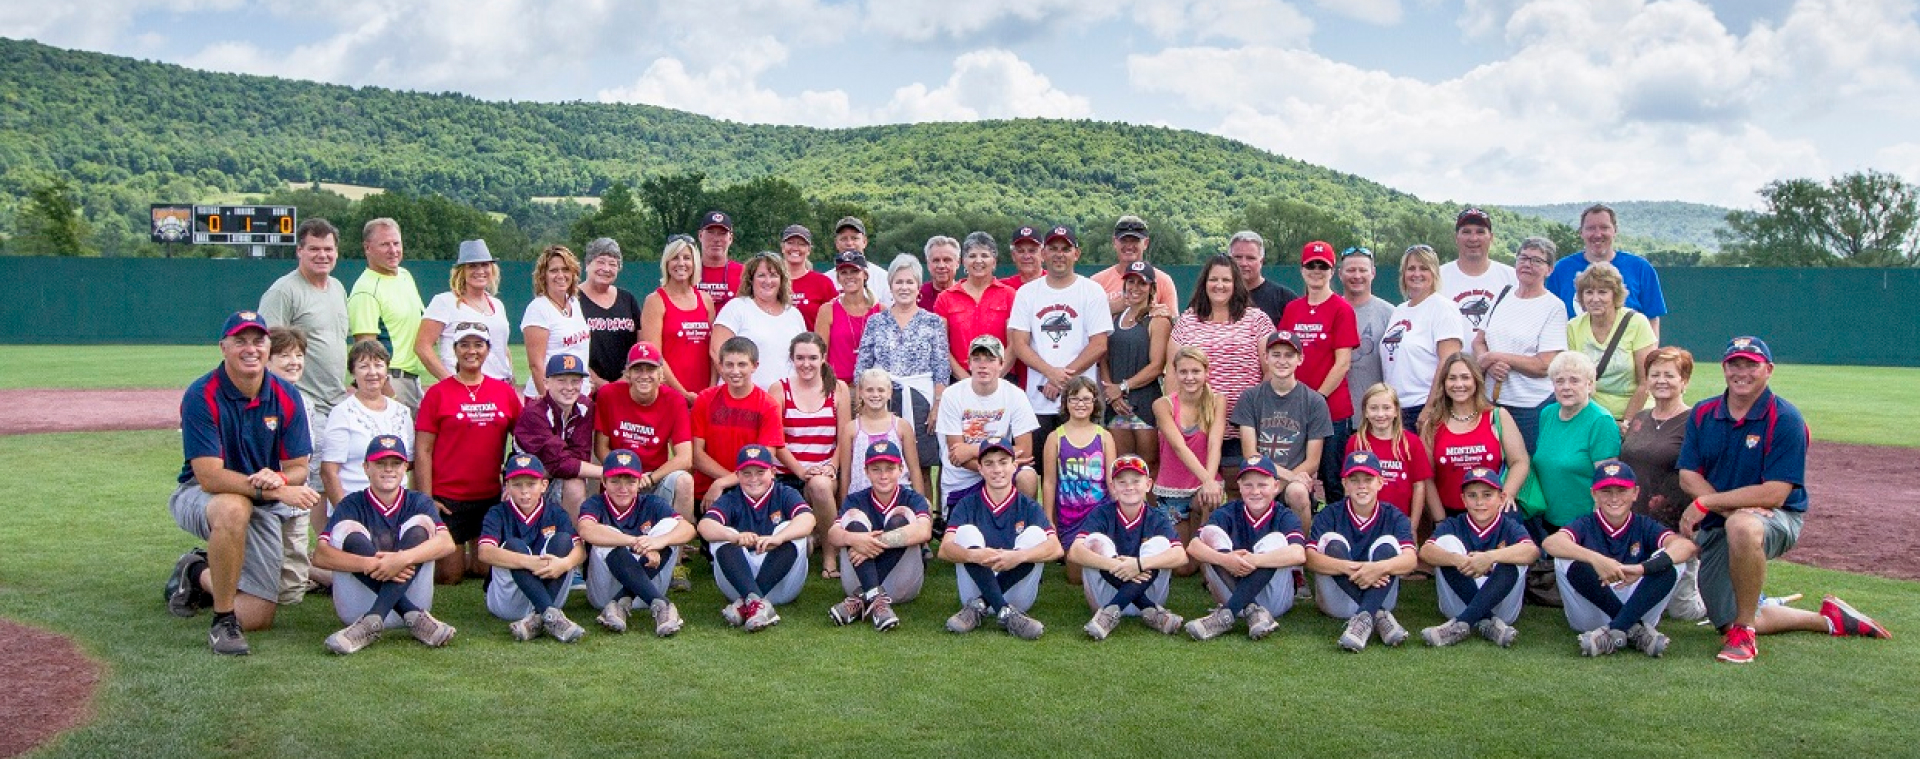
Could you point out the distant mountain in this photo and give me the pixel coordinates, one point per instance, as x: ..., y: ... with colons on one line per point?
x: 1669, y: 221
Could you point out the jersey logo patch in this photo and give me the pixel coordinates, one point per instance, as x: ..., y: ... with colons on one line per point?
x: 1753, y: 441
x: 778, y: 516
x: 273, y: 424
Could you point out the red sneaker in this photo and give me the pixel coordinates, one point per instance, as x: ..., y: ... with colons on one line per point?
x: 1740, y: 648
x: 1844, y: 620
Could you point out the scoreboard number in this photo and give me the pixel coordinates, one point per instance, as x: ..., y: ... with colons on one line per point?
x: 244, y: 225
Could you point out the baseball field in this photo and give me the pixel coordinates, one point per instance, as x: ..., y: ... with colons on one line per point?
x: 85, y: 548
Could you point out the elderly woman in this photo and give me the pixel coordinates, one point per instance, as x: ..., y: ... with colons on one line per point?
x: 553, y: 323
x: 844, y: 320
x: 470, y: 297
x: 1221, y: 321
x: 1421, y: 334
x: 908, y: 341
x: 763, y: 313
x: 1575, y: 434
x: 462, y: 444
x: 1520, y: 336
x: 678, y: 317
x: 1652, y: 448
x: 613, y: 314
x: 366, y: 414
x: 978, y: 305
x: 1617, y: 338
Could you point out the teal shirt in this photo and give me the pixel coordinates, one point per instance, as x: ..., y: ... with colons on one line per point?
x: 1564, y: 460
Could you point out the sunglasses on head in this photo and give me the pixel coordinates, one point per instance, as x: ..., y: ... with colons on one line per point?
x: 1356, y: 251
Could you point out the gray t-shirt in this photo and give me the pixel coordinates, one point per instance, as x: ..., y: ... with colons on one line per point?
x: 322, y: 314
x: 1284, y: 423
x: 1371, y: 321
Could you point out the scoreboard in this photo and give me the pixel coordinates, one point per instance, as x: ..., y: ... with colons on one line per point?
x: 244, y: 225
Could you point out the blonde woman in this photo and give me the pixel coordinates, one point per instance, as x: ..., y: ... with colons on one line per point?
x: 1617, y: 338
x: 472, y: 288
x: 762, y: 312
x: 553, y: 323
x: 678, y: 317
x: 1421, y: 334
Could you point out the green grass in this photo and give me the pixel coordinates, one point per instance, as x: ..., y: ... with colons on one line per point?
x: 123, y: 366
x: 85, y: 556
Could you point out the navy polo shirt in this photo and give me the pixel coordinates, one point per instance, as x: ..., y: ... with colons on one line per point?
x: 1505, y: 530
x: 537, y: 530
x: 637, y: 519
x: 862, y: 501
x: 1127, y: 536
x: 1630, y: 543
x: 246, y: 434
x: 1244, y: 530
x: 383, y: 521
x: 1000, y: 524
x: 1385, y: 522
x: 780, y: 505
x: 1769, y: 444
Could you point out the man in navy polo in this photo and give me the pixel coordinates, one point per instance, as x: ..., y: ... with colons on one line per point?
x: 246, y: 442
x: 1744, y: 461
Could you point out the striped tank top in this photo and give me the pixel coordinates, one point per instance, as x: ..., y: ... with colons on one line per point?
x: 811, y: 435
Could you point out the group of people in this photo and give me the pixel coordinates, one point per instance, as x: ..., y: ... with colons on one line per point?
x: 1475, y: 433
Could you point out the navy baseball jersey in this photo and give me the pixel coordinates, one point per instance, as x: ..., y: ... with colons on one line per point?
x: 876, y: 512
x: 636, y: 519
x: 246, y: 434
x: 764, y: 517
x: 1245, y: 529
x: 1629, y: 543
x: 504, y: 522
x: 999, y: 523
x: 1127, y: 536
x: 382, y: 520
x: 1386, y: 521
x: 1505, y: 530
x: 1769, y: 444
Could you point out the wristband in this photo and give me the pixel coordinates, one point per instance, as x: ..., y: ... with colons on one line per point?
x: 1701, y: 506
x: 259, y: 495
x: 1658, y: 563
x: 1138, y: 564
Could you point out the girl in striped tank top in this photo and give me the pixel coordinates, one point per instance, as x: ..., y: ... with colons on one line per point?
x: 813, y: 408
x: 872, y: 423
x: 1079, y: 453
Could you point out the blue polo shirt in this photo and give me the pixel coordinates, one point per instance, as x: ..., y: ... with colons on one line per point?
x: 876, y: 513
x: 546, y: 530
x: 1127, y: 536
x: 1630, y: 543
x: 246, y: 434
x: 1386, y: 521
x: 764, y: 517
x: 1244, y: 530
x: 1643, y: 283
x: 1504, y: 531
x: 999, y: 524
x: 382, y: 521
x: 1769, y: 444
x: 638, y: 518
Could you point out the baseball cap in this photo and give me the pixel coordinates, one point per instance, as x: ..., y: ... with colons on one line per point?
x: 754, y: 455
x: 644, y: 352
x: 850, y: 221
x: 473, y: 252
x: 1482, y: 475
x: 562, y: 364
x: 1360, y: 461
x: 242, y: 321
x: 522, y: 465
x: 1028, y: 234
x: 387, y: 447
x: 852, y: 258
x: 797, y: 230
x: 883, y: 450
x: 716, y: 219
x: 1257, y: 464
x: 1130, y: 463
x: 997, y: 444
x: 1745, y: 346
x: 1475, y: 216
x: 1062, y: 232
x: 469, y: 329
x: 621, y: 462
x: 1130, y: 226
x: 1613, y: 473
x: 1140, y: 269
x: 987, y: 343
x: 1281, y: 336
x: 1318, y: 250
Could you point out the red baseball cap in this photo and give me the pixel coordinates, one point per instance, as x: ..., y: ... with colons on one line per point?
x: 644, y: 353
x: 1318, y: 250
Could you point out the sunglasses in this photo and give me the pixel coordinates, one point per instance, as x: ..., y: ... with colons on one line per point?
x: 470, y: 325
x: 1357, y: 251
x: 1317, y: 266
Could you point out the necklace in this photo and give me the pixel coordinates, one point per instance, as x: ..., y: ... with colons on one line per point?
x: 1460, y: 417
x: 1660, y: 424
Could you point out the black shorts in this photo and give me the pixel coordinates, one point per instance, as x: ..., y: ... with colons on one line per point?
x: 791, y: 480
x: 464, y: 518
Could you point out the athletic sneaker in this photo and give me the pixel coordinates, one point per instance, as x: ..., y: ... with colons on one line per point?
x: 226, y: 638
x: 557, y: 625
x: 762, y: 616
x: 1740, y: 647
x: 848, y: 611
x: 1596, y: 642
x: 1447, y: 633
x: 1650, y: 641
x: 1213, y: 625
x: 430, y: 631
x: 1497, y: 630
x: 1302, y: 590
x: 682, y: 578
x: 666, y: 618
x: 968, y: 618
x: 579, y: 581
x: 1160, y: 620
x: 1391, y: 631
x: 356, y: 636
x: 1260, y: 622
x: 525, y: 628
x: 1021, y: 625
x: 1844, y: 620
x: 613, y: 616
x: 1103, y: 622
x: 735, y: 613
x: 881, y: 610
x: 1359, y: 628
x: 182, y: 601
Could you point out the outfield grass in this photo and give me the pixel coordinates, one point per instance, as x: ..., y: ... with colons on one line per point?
x: 86, y: 554
x: 100, y: 367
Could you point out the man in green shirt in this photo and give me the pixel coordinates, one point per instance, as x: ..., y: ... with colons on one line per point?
x: 385, y: 306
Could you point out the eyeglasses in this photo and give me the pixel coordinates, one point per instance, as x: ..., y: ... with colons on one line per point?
x: 1356, y: 251
x: 1532, y: 260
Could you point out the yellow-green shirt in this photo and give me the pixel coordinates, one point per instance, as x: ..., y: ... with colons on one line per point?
x: 388, y: 306
x: 1615, y: 386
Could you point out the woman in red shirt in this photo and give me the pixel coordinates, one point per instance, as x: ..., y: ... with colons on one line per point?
x: 461, y: 442
x: 978, y: 305
x: 679, y: 318
x: 1459, y: 427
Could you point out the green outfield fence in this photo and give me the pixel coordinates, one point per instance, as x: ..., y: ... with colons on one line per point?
x: 1809, y: 316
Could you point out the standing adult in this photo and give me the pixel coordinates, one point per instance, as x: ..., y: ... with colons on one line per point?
x: 843, y: 321
x: 613, y: 314
x: 311, y: 300
x: 1221, y: 321
x: 1323, y: 325
x: 943, y: 266
x: 471, y: 293
x: 978, y: 305
x: 1059, y: 329
x: 1744, y: 461
x: 553, y: 324
x: 246, y: 443
x: 1025, y: 249
x: 720, y: 276
x: 1598, y: 228
x: 363, y: 416
x: 678, y: 316
x: 1651, y: 447
x: 1130, y: 243
x: 461, y: 433
x: 811, y: 289
x: 1617, y: 338
x: 385, y: 305
x: 1520, y: 336
x: 1370, y: 318
x: 765, y: 316
x: 1421, y: 333
x: 1249, y: 253
x: 1135, y: 361
x: 1474, y: 281
x: 850, y: 236
x: 909, y: 342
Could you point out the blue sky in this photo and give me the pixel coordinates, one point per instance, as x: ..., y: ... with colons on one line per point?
x: 1485, y: 101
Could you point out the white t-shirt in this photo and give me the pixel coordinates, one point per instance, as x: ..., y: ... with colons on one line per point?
x: 1408, y: 354
x: 448, y: 309
x: 351, y: 427
x: 772, y: 334
x: 1474, y: 296
x: 1059, y: 324
x: 1526, y: 326
x: 566, y: 333
x: 1004, y: 413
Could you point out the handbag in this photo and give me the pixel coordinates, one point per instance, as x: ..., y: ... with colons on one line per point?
x: 1531, y: 498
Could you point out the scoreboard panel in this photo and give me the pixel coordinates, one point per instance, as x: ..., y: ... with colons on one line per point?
x: 244, y: 225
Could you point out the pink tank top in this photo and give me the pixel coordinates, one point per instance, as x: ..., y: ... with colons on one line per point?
x: 1174, y: 474
x: 843, y: 339
x: 811, y: 435
x: 684, y: 334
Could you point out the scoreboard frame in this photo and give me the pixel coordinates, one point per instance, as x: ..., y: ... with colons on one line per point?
x: 245, y: 225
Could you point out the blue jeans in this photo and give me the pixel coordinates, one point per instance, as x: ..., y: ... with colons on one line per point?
x: 1527, y: 418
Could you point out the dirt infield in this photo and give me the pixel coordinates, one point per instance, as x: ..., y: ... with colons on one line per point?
x: 28, y: 411
x: 50, y: 687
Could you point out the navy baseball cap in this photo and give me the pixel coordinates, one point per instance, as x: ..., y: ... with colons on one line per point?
x: 1062, y: 232
x: 242, y: 321
x: 716, y: 219
x: 562, y: 364
x: 1360, y: 461
x: 1130, y: 226
x: 1140, y: 269
x: 1258, y: 464
x: 1482, y: 475
x: 1025, y: 233
x: 1745, y: 346
x: 797, y: 230
x: 621, y: 462
x: 1282, y: 336
x: 387, y: 447
x: 755, y: 455
x: 1474, y: 216
x: 1613, y: 473
x: 883, y: 450
x: 522, y: 465
x: 997, y: 444
x: 850, y: 258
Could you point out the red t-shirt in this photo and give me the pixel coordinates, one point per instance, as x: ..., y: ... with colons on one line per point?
x: 470, y: 430
x: 651, y: 430
x: 1321, y: 330
x: 968, y: 318
x: 1398, y: 472
x: 1455, y: 453
x: 810, y: 292
x: 720, y: 287
x: 728, y: 424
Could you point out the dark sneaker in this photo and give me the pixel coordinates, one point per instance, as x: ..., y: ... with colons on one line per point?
x: 356, y: 636
x: 1740, y: 647
x: 226, y: 638
x: 1497, y: 630
x: 666, y: 618
x: 1447, y: 633
x: 881, y: 610
x: 1161, y: 621
x: 1260, y: 622
x: 1359, y: 628
x: 1649, y: 640
x: 848, y: 611
x: 1390, y: 630
x: 182, y: 600
x: 430, y: 631
x: 1213, y: 625
x: 1844, y: 620
x: 557, y: 625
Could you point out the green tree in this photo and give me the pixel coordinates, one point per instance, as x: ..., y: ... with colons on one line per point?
x: 761, y: 209
x: 622, y: 218
x: 1567, y: 239
x: 1288, y: 225
x: 51, y: 224
x: 676, y: 202
x: 313, y: 202
x: 1868, y: 218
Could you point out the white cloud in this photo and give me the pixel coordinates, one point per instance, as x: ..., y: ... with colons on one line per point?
x: 1382, y: 12
x: 987, y: 84
x: 989, y: 21
x: 1902, y: 159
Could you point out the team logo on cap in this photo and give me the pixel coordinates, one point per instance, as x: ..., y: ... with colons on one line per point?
x: 1024, y: 231
x: 1741, y: 343
x: 569, y: 362
x: 388, y: 440
x: 752, y: 451
x: 249, y: 315
x: 1612, y: 470
x: 1358, y: 457
x: 1059, y: 230
x: 522, y: 461
x: 623, y: 459
x: 716, y: 218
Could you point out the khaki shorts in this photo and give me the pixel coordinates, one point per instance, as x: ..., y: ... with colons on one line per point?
x: 260, y: 570
x: 1716, y: 583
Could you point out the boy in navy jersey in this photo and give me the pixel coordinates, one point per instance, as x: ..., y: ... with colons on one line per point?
x: 1248, y: 551
x: 758, y: 534
x: 1617, y: 569
x: 382, y: 542
x: 636, y: 541
x: 1358, y: 553
x: 1128, y: 553
x: 879, y: 534
x: 1480, y: 555
x: 1000, y: 538
x: 533, y: 549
